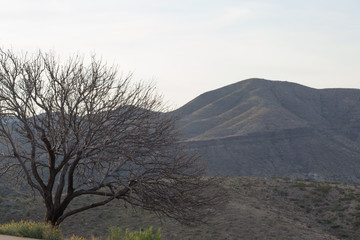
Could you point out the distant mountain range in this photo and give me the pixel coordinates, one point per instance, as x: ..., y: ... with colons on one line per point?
x: 268, y: 128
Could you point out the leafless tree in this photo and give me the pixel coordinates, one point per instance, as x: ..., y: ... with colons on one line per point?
x: 73, y: 129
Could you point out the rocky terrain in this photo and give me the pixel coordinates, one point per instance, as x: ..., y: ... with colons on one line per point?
x: 258, y: 208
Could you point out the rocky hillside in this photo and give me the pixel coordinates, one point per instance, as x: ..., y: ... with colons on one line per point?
x: 258, y: 208
x: 267, y: 128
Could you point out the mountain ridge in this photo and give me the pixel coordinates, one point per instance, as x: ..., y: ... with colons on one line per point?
x: 254, y: 101
x: 266, y: 128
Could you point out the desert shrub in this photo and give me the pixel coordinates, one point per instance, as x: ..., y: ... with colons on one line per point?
x: 31, y: 229
x: 74, y: 237
x: 116, y: 233
x: 300, y: 185
x: 322, y: 189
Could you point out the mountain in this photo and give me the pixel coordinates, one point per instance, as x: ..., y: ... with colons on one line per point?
x: 268, y: 128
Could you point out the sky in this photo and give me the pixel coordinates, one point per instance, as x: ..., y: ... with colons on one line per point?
x: 189, y: 47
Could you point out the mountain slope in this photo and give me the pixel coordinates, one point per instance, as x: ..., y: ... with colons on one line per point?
x: 272, y: 128
x: 258, y: 208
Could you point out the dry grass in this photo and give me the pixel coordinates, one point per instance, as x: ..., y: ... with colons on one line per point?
x: 31, y: 229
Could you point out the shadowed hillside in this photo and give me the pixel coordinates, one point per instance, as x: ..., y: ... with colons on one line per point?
x: 258, y: 208
x: 267, y: 128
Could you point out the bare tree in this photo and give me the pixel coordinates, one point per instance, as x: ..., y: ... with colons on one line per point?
x: 69, y: 130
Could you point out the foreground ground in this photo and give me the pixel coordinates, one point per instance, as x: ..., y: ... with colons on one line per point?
x: 258, y: 208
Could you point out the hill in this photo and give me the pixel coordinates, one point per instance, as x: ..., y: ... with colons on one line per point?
x: 258, y: 208
x: 268, y: 128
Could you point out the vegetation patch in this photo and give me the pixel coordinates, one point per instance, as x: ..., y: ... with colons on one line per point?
x: 116, y: 233
x: 31, y: 229
x: 40, y: 230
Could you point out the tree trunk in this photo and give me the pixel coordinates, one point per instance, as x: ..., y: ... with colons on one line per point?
x: 50, y: 217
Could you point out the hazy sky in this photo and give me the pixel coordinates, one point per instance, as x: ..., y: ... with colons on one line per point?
x: 189, y: 47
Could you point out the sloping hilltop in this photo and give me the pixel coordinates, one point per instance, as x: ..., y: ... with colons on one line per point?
x: 268, y: 128
x: 258, y: 208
